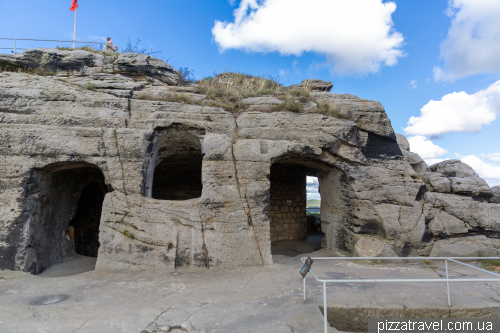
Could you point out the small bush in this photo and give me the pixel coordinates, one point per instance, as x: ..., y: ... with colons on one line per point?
x: 90, y: 85
x: 129, y: 48
x: 185, y: 76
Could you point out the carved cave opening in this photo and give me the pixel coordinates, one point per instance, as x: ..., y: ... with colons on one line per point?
x: 174, y: 167
x: 67, y: 200
x: 291, y: 231
x: 85, y: 223
x: 178, y: 177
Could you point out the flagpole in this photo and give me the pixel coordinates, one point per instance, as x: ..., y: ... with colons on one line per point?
x: 74, y: 30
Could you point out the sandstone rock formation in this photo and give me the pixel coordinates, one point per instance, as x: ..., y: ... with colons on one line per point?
x: 189, y: 185
x: 496, y: 194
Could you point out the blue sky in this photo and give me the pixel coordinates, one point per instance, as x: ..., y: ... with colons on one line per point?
x: 402, y: 53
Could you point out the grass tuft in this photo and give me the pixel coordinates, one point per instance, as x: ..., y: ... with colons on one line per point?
x: 26, y: 70
x: 227, y: 89
x: 288, y: 105
x: 491, y: 264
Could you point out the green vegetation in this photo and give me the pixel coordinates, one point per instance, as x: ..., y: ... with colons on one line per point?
x: 128, y: 234
x: 491, y: 264
x: 226, y: 90
x: 313, y: 203
x: 26, y: 70
x: 288, y: 105
x: 185, y: 76
x: 90, y: 85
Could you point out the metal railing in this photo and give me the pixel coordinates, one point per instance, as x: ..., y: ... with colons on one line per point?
x: 42, y: 40
x: 447, y: 279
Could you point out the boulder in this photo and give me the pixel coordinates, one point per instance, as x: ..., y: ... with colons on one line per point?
x: 317, y: 85
x: 136, y: 64
x: 368, y: 115
x: 464, y: 180
x: 444, y: 224
x: 474, y: 246
x: 403, y: 142
x: 454, y: 168
x: 496, y: 194
x: 416, y: 162
x: 438, y: 182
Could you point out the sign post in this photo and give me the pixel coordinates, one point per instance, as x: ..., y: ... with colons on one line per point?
x: 303, y: 271
x: 307, y: 266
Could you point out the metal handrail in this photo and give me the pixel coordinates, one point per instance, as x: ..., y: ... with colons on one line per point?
x: 447, y: 280
x: 43, y: 40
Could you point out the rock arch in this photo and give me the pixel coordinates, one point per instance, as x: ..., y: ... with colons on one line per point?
x: 336, y: 197
x: 58, y: 196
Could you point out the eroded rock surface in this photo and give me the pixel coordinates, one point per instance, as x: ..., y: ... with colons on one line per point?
x: 496, y: 194
x: 189, y: 185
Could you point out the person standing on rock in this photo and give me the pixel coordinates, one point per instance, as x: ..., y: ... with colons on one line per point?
x: 109, y: 46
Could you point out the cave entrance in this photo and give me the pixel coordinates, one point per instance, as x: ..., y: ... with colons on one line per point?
x: 85, y: 223
x: 68, y: 200
x: 178, y: 177
x: 174, y: 167
x: 293, y: 230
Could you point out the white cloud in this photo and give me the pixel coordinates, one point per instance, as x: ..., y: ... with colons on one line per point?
x: 485, y: 170
x: 282, y: 73
x: 354, y: 36
x: 311, y: 180
x: 491, y: 157
x: 472, y: 45
x: 431, y: 161
x: 457, y: 112
x: 413, y: 84
x: 312, y: 188
x: 425, y: 148
x: 92, y: 38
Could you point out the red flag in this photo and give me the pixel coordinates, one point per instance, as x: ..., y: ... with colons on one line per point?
x: 74, y: 5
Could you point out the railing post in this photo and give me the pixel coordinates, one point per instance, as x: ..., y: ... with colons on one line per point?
x: 447, y: 282
x: 304, y: 287
x: 324, y: 307
x: 60, y: 44
x: 15, y: 42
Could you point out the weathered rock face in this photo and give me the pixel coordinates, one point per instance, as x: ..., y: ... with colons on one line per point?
x: 496, y: 194
x: 317, y: 85
x: 460, y: 214
x: 463, y: 179
x: 80, y: 62
x: 189, y: 185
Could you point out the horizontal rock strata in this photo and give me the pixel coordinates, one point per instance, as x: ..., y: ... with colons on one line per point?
x: 115, y: 121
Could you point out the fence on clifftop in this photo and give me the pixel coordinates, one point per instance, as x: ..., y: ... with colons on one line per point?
x: 60, y: 41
